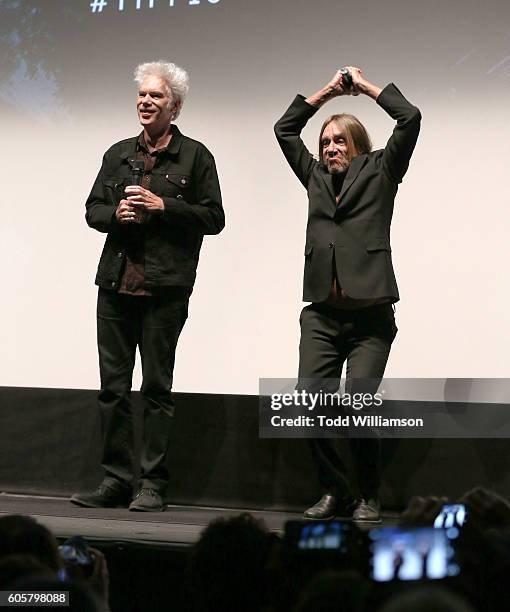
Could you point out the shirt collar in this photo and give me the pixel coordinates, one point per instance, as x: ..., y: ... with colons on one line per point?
x: 172, y: 149
x: 173, y: 146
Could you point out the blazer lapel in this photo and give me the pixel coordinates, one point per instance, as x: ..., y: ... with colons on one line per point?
x: 328, y: 179
x: 354, y: 169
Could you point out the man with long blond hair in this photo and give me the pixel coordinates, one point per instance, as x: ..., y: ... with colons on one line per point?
x: 349, y: 277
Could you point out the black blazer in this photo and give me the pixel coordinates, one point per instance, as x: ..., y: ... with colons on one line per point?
x: 357, y: 231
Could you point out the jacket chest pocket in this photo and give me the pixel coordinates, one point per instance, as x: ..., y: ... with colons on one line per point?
x: 114, y: 189
x: 178, y: 186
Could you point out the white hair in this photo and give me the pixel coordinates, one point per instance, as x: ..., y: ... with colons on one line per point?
x: 176, y: 79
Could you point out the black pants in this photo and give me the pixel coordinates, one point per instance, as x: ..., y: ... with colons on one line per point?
x: 153, y: 324
x: 363, y: 338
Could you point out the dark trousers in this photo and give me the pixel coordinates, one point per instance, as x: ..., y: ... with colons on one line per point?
x: 363, y: 338
x: 153, y: 323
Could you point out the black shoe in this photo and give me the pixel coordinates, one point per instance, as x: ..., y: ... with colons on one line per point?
x: 367, y: 511
x: 147, y: 500
x: 103, y: 497
x: 329, y: 506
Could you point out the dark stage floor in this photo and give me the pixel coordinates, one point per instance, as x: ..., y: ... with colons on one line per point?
x: 177, y: 526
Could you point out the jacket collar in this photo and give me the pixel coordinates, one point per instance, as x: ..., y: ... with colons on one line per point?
x: 129, y: 150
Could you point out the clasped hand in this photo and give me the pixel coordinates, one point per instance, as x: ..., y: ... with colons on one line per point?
x: 139, y: 201
x: 338, y: 85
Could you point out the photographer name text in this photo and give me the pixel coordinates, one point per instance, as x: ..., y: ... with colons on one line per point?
x: 344, y: 421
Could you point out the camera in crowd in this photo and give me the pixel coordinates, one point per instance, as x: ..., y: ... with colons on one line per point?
x: 383, y: 554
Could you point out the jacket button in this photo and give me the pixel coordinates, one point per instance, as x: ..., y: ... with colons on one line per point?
x: 114, y: 284
x: 183, y: 181
x: 120, y: 254
x: 179, y: 196
x: 331, y: 245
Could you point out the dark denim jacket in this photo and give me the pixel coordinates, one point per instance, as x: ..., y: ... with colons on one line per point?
x: 185, y: 177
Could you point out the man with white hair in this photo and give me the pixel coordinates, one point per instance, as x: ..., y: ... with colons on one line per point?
x: 156, y: 196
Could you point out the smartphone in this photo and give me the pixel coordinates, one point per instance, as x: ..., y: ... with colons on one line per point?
x: 76, y: 557
x: 451, y: 515
x: 317, y: 535
x: 411, y: 553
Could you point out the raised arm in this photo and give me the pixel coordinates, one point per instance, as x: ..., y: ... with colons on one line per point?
x: 288, y: 128
x: 400, y: 146
x: 401, y: 143
x: 288, y: 133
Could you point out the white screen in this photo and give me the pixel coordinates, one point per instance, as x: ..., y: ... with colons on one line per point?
x: 66, y: 95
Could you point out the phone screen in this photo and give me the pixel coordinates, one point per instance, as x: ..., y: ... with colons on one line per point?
x: 324, y: 536
x: 318, y: 536
x: 451, y: 515
x: 423, y: 553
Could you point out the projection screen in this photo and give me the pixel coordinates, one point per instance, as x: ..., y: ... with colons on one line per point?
x: 67, y: 94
